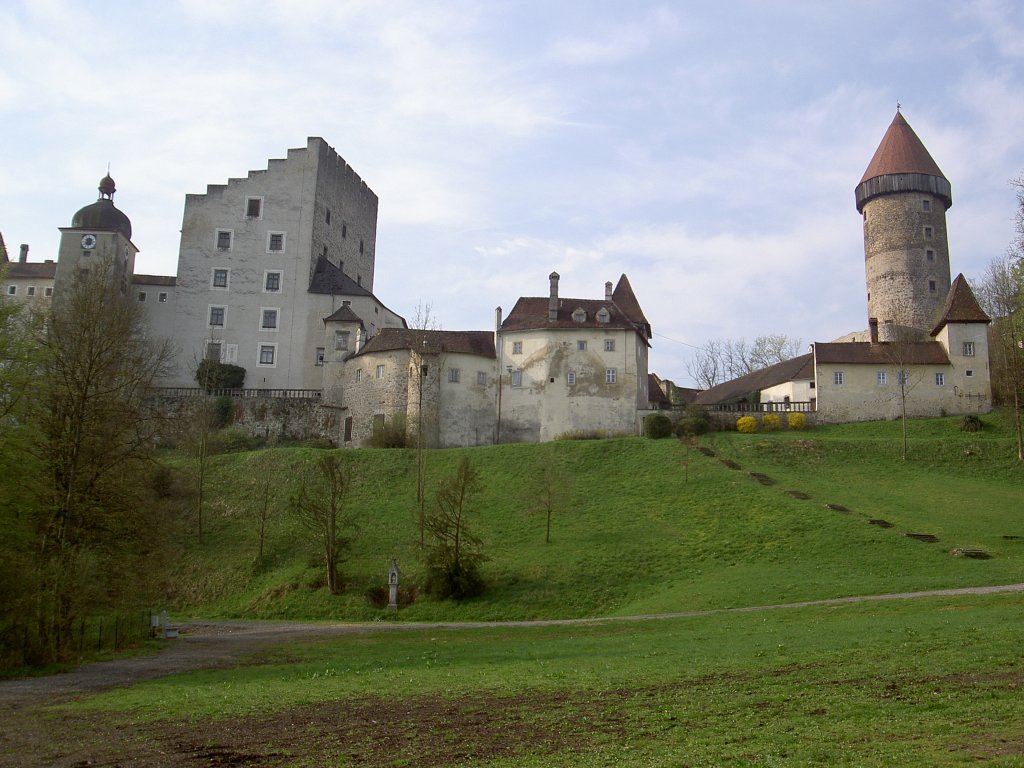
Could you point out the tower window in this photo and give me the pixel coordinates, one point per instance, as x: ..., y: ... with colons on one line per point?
x: 162, y: 298
x: 931, y: 286
x: 272, y: 282
x: 142, y: 295
x: 217, y: 317
x: 268, y: 320
x: 928, y: 232
x: 968, y: 349
x: 930, y: 255
x: 254, y: 207
x: 275, y: 242
x: 223, y: 239
x: 327, y: 216
x: 267, y: 354
x: 926, y: 205
x: 219, y: 279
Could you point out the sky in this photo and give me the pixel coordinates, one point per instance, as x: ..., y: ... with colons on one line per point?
x: 709, y: 151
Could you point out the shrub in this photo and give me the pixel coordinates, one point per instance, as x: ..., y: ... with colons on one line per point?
x: 657, y: 426
x: 391, y: 433
x: 970, y: 423
x: 223, y: 411
x: 797, y: 421
x: 692, y: 426
x: 771, y: 422
x: 232, y: 440
x: 746, y: 424
x: 212, y: 374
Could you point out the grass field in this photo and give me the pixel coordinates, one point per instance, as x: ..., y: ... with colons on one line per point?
x: 645, y: 527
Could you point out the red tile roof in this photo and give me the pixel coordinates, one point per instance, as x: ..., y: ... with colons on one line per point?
x: 752, y: 383
x: 883, y: 353
x: 437, y: 342
x: 901, y: 151
x: 961, y: 306
x: 43, y: 271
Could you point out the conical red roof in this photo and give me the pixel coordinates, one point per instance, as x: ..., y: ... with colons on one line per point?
x: 961, y: 306
x: 901, y: 152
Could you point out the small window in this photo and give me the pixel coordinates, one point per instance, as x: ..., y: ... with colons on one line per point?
x: 30, y: 291
x: 517, y: 347
x: 268, y: 352
x: 272, y: 282
x: 968, y: 349
x: 931, y: 286
x: 360, y: 246
x: 380, y: 371
x: 162, y: 297
x: 344, y: 230
x: 254, y: 207
x: 219, y: 279
x: 142, y: 295
x: 837, y: 378
x: 12, y: 290
x: 223, y: 239
x: 327, y: 215
x: 348, y: 429
x: 320, y: 352
x: 940, y: 379
x: 570, y: 378
x: 881, y: 378
x: 454, y: 375
x: 275, y: 242
x: 610, y: 375
x: 359, y: 374
x: 926, y: 205
x: 216, y: 317
x: 603, y: 315
x: 929, y: 254
x: 481, y: 378
x: 341, y: 341
x: 581, y: 345
x: 346, y: 303
x: 969, y: 373
x: 903, y: 378
x: 517, y: 378
x: 609, y: 345
x: 48, y: 291
x: 928, y: 232
x: 268, y: 320
x: 579, y: 316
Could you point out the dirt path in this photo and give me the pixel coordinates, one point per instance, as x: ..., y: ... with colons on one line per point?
x: 211, y: 644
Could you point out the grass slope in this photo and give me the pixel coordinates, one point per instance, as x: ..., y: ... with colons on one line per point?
x: 644, y: 526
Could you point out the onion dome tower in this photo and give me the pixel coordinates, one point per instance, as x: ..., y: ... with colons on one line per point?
x: 903, y: 197
x: 99, y: 234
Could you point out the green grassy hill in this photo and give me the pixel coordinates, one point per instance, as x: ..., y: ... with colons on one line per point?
x: 643, y: 526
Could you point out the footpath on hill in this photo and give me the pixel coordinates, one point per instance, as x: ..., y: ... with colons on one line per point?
x: 213, y: 644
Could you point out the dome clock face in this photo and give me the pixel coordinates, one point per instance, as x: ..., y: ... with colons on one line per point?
x: 88, y: 242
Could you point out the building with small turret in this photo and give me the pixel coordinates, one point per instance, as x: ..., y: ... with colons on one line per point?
x: 926, y: 344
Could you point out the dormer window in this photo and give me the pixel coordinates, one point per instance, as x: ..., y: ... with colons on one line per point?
x: 603, y: 315
x: 579, y: 316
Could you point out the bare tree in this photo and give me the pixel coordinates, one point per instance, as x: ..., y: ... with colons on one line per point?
x: 1002, y: 294
x: 902, y: 349
x: 320, y: 505
x: 423, y: 322
x: 453, y: 562
x: 719, y: 360
x: 548, y: 494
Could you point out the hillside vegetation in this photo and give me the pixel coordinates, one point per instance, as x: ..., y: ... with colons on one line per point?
x: 640, y: 526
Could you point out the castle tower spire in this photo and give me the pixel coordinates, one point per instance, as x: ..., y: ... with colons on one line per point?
x: 903, y: 197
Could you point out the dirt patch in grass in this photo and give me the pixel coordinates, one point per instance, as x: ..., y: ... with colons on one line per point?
x: 762, y: 478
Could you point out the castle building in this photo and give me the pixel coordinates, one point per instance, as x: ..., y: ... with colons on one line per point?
x: 263, y: 262
x: 573, y: 365
x: 926, y: 343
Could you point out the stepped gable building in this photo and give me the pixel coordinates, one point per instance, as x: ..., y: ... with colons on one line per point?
x: 573, y: 365
x: 265, y: 259
x: 925, y: 335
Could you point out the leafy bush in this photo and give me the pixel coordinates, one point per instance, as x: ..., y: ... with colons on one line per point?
x: 970, y: 423
x: 657, y: 426
x: 212, y: 374
x: 797, y: 421
x: 379, y: 597
x: 692, y: 426
x: 771, y: 422
x: 582, y: 434
x: 232, y: 440
x: 392, y: 433
x: 746, y: 424
x: 223, y: 411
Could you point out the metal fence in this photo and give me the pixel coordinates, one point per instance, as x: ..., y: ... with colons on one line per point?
x: 293, y: 394
x: 804, y: 406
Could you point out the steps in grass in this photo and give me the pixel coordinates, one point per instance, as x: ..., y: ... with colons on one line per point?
x: 976, y: 554
x: 928, y: 538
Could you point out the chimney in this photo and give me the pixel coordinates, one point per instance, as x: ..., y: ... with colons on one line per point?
x: 553, y: 298
x: 23, y: 257
x: 873, y: 329
x: 608, y: 291
x: 359, y: 339
x: 497, y: 320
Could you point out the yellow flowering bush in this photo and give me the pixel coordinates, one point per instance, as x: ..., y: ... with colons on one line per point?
x: 771, y: 422
x: 797, y: 420
x: 746, y: 424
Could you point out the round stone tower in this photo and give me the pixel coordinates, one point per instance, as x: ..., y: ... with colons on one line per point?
x: 903, y: 197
